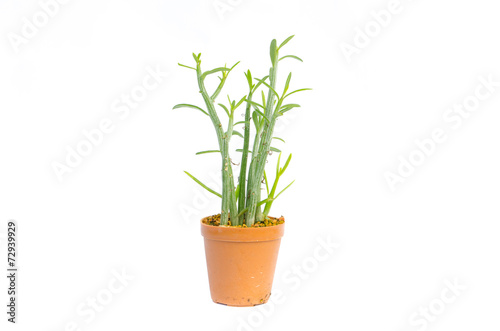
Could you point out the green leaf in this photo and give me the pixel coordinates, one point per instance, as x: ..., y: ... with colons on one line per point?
x: 290, y: 106
x: 287, y: 108
x: 278, y: 168
x: 220, y: 86
x: 287, y: 84
x: 236, y: 133
x: 213, y: 71
x: 269, y: 86
x: 282, y: 170
x: 265, y: 180
x: 255, y: 118
x: 196, y: 58
x: 185, y: 105
x: 258, y: 84
x: 299, y: 90
x: 255, y: 104
x: 237, y: 192
x: 242, y: 212
x: 286, y: 41
x: 291, y: 56
x: 283, y: 190
x: 203, y: 185
x: 240, y: 122
x: 263, y: 99
x: 273, y: 52
x: 234, y: 65
x: 241, y: 150
x: 262, y: 114
x: 278, y: 139
x: 183, y: 65
x: 210, y: 151
x: 274, y: 149
x: 248, y: 75
x: 225, y: 108
x: 240, y: 102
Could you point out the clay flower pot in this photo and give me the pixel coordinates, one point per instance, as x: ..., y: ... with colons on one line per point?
x: 241, y: 263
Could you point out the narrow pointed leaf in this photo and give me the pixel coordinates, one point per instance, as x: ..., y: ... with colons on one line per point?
x: 259, y: 83
x: 262, y: 114
x: 210, y: 151
x: 242, y: 212
x: 284, y: 110
x: 291, y: 56
x: 234, y: 65
x: 269, y: 86
x: 185, y: 105
x: 290, y: 106
x: 265, y: 180
x: 255, y: 118
x: 213, y: 71
x: 286, y: 41
x: 273, y: 52
x: 248, y: 75
x: 236, y: 133
x: 286, y: 164
x: 203, y: 185
x: 287, y: 84
x: 225, y: 109
x: 278, y: 167
x: 299, y: 90
x: 237, y: 192
x: 240, y: 122
x: 283, y: 190
x: 278, y: 139
x: 274, y: 149
x: 183, y: 65
x: 240, y: 102
x: 256, y: 104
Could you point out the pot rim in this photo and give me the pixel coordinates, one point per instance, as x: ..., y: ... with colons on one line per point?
x: 235, y: 234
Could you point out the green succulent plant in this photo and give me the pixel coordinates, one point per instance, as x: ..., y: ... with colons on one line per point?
x: 242, y: 202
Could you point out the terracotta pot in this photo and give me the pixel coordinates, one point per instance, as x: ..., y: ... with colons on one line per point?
x: 241, y: 263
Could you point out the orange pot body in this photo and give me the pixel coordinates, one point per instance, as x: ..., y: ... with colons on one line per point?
x: 241, y: 263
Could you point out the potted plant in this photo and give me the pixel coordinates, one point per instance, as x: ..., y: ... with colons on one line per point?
x: 242, y: 241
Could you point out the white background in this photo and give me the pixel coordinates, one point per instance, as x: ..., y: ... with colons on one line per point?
x: 124, y: 206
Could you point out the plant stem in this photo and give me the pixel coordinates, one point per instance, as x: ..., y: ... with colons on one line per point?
x: 259, y: 158
x: 228, y: 194
x: 244, y: 156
